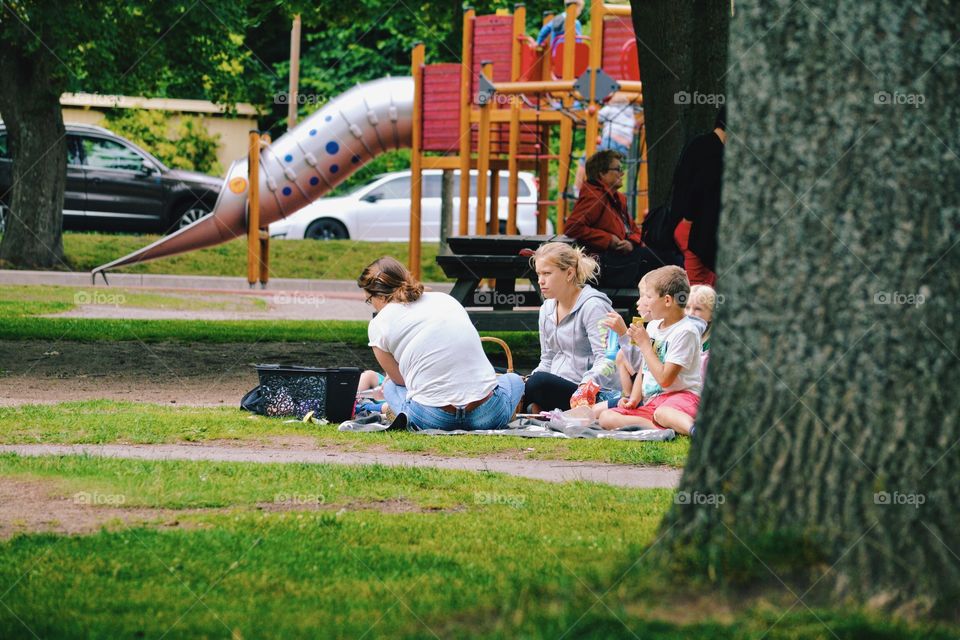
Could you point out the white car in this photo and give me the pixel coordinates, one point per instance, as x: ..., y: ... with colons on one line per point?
x: 380, y: 210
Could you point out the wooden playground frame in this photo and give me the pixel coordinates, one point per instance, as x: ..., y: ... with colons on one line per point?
x: 461, y: 127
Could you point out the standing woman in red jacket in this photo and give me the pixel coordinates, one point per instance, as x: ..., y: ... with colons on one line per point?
x: 601, y: 223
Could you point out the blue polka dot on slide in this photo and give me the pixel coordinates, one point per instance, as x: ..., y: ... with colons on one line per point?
x: 334, y: 168
x: 332, y: 147
x: 328, y: 119
x: 288, y: 158
x: 314, y: 180
x: 355, y: 159
x: 313, y: 132
x: 287, y: 191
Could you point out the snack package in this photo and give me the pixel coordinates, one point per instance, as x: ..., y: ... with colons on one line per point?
x: 585, y: 395
x: 634, y: 321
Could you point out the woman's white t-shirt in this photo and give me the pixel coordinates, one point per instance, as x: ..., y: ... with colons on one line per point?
x: 438, y: 349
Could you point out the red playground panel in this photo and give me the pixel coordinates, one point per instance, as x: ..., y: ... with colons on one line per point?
x: 441, y: 107
x: 581, y: 56
x: 620, y: 48
x: 492, y: 42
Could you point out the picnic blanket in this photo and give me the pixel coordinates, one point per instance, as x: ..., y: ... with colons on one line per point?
x: 553, y: 427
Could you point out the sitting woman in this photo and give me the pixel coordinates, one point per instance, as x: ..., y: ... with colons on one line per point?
x: 572, y: 340
x: 438, y: 376
x: 601, y: 222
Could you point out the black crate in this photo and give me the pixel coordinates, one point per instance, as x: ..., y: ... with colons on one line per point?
x: 296, y: 391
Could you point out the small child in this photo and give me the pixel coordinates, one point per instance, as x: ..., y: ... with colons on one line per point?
x: 702, y: 300
x: 666, y: 393
x: 370, y: 379
x: 371, y: 382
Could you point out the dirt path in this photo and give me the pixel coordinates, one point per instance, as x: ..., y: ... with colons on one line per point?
x: 549, y: 470
x: 197, y: 374
x: 42, y: 506
x: 193, y: 374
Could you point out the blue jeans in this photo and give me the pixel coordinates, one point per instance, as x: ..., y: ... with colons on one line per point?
x: 492, y: 414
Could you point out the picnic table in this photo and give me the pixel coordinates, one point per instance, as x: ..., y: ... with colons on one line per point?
x: 473, y: 259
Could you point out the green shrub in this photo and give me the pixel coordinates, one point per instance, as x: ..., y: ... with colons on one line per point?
x: 190, y: 147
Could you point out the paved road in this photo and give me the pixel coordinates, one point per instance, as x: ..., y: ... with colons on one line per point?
x: 286, y: 298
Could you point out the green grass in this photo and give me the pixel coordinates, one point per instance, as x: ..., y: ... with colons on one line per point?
x: 330, y: 260
x: 19, y: 306
x: 486, y: 556
x: 28, y: 299
x: 104, y: 421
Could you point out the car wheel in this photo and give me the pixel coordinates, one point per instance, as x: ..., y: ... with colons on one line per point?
x: 326, y: 229
x: 188, y: 215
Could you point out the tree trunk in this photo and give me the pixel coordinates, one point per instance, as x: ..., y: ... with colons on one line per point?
x: 828, y: 446
x: 30, y: 108
x: 683, y: 63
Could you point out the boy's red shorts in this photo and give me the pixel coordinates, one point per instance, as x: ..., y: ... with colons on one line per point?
x: 685, y: 401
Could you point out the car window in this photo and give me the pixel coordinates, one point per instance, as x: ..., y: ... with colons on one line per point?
x: 100, y: 153
x: 396, y: 188
x: 74, y: 157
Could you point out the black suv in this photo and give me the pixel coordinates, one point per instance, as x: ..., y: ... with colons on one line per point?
x: 114, y: 185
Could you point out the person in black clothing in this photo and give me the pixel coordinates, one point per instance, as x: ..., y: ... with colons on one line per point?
x: 696, y: 198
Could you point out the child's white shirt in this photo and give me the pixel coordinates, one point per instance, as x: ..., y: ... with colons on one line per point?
x: 680, y: 344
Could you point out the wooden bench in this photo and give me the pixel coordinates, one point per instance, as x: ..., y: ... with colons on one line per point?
x: 474, y: 259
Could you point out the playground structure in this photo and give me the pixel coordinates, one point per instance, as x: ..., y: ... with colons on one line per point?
x: 494, y: 111
x: 510, y: 97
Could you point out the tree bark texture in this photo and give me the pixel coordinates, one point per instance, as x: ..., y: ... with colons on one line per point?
x: 36, y: 139
x: 682, y: 48
x: 828, y: 437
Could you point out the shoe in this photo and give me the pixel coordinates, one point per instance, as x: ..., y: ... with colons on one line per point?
x: 693, y: 429
x: 399, y: 423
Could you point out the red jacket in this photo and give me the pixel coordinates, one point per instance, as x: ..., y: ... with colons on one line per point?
x: 599, y: 214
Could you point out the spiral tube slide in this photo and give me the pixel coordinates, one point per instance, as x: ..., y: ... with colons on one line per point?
x: 300, y: 166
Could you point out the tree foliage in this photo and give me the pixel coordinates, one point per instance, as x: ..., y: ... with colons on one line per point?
x: 174, y: 48
x: 373, y: 40
x: 184, y: 145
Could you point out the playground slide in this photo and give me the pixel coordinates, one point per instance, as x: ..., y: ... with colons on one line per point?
x: 300, y: 166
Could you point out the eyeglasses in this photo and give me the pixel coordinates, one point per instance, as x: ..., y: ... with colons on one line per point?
x: 369, y: 297
x: 618, y: 169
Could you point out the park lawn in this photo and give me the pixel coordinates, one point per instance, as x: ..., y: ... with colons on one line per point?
x: 20, y: 305
x: 468, y: 556
x: 109, y: 422
x: 311, y: 259
x: 27, y: 299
